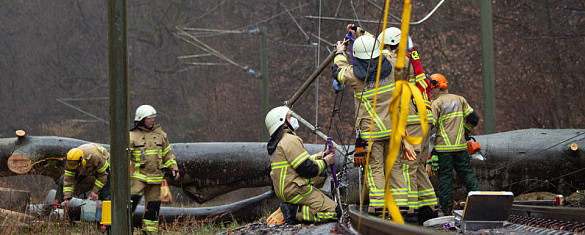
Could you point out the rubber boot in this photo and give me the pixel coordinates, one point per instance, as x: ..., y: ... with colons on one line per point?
x: 134, y: 200
x: 426, y: 213
x: 411, y: 218
x: 289, y: 211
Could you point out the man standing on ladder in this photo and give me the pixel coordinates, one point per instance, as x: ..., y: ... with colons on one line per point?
x: 422, y: 202
x: 372, y: 122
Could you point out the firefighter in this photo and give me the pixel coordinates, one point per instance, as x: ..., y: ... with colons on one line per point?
x: 422, y: 202
x: 81, y: 163
x: 293, y: 172
x: 360, y: 75
x: 455, y: 119
x: 151, y: 153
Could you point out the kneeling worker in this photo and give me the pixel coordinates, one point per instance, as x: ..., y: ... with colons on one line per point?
x: 292, y: 170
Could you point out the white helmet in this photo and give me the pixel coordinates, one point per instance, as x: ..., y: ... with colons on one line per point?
x: 144, y: 111
x: 275, y: 118
x: 362, y: 47
x: 391, y: 36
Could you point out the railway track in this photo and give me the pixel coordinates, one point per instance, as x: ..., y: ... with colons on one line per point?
x: 523, y: 219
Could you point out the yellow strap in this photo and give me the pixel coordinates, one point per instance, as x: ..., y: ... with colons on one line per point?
x: 401, y: 98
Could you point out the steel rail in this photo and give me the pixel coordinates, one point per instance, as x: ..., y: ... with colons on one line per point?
x: 374, y: 225
x: 550, y: 212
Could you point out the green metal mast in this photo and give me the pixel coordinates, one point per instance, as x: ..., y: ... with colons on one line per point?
x: 487, y: 63
x: 264, y: 73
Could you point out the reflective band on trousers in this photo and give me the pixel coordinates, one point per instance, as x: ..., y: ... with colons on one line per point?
x: 283, y: 166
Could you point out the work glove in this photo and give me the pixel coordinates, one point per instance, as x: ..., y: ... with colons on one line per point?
x: 338, y: 86
x: 275, y: 218
x: 432, y: 164
x: 409, y: 153
x: 359, y: 154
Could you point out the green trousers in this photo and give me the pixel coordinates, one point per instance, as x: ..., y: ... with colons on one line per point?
x: 460, y: 162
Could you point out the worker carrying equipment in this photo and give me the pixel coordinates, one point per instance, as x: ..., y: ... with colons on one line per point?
x: 455, y: 119
x: 80, y: 163
x: 151, y: 153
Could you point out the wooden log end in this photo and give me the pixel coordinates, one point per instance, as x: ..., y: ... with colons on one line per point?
x: 20, y: 133
x: 19, y: 164
x: 574, y: 146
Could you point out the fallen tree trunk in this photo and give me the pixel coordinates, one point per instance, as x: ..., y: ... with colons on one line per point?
x: 518, y: 161
x: 532, y: 160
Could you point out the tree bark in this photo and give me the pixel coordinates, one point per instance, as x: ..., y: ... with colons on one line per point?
x: 518, y: 161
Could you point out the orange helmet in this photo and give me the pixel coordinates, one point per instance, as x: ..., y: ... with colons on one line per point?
x: 438, y: 79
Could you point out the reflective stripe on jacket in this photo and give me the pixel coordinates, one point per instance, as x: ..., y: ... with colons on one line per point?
x: 289, y: 155
x: 151, y: 152
x: 97, y: 163
x: 364, y: 94
x: 413, y: 116
x: 450, y: 112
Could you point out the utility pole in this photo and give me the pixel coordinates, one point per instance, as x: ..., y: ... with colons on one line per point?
x: 119, y: 137
x: 487, y: 64
x: 264, y: 73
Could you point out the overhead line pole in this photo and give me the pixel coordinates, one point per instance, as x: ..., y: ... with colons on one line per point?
x: 119, y: 136
x: 303, y: 88
x: 264, y: 74
x: 487, y: 64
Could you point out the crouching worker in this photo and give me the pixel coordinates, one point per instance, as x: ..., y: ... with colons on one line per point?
x: 80, y: 163
x: 293, y: 169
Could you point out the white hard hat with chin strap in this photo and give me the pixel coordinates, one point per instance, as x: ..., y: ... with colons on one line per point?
x: 391, y: 36
x: 363, y: 47
x: 144, y: 111
x: 275, y: 118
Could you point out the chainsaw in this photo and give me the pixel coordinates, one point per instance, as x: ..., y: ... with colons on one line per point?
x: 474, y: 149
